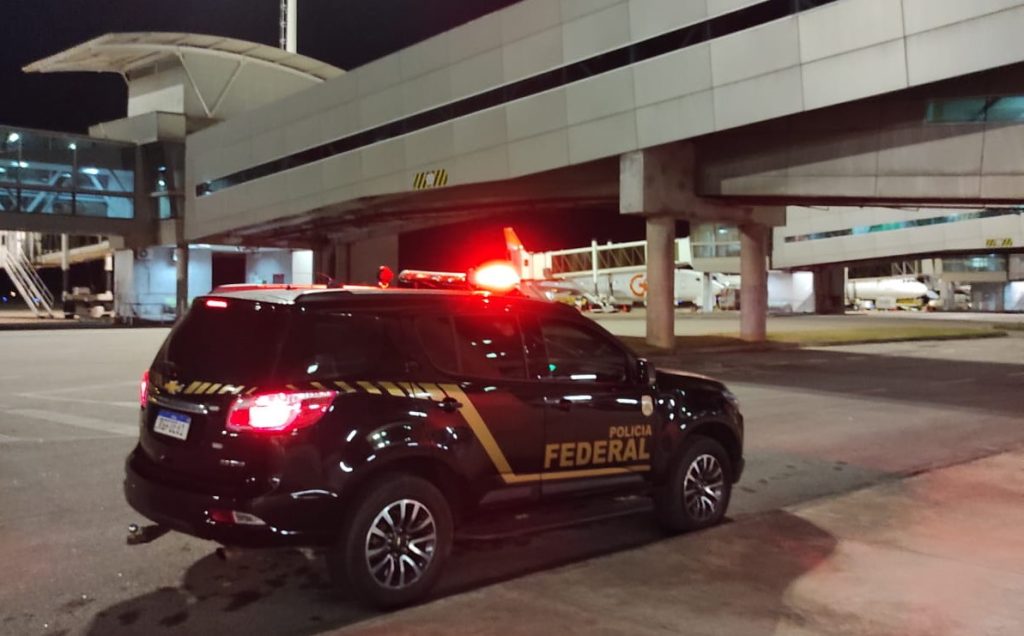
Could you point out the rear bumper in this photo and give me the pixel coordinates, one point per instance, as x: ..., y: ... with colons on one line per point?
x: 307, y: 518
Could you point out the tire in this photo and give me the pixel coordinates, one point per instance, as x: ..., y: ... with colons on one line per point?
x: 682, y: 503
x: 385, y: 555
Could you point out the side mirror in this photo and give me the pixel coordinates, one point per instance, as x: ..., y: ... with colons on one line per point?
x: 645, y: 372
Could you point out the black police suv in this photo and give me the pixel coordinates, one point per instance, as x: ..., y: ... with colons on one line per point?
x: 384, y: 424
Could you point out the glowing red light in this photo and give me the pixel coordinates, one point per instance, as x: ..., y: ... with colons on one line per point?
x: 213, y: 303
x: 495, y: 276
x: 279, y: 412
x: 144, y: 389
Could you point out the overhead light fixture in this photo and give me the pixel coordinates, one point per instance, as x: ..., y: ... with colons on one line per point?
x: 72, y: 146
x: 13, y: 138
x: 91, y: 171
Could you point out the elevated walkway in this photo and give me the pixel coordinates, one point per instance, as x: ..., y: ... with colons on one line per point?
x: 52, y: 182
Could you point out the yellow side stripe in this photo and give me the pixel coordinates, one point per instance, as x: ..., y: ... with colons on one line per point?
x: 392, y: 389
x: 436, y: 393
x: 369, y: 388
x: 345, y: 386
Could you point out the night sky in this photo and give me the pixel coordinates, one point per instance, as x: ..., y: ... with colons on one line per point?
x: 346, y: 33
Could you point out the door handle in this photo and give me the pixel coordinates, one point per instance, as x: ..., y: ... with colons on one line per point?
x: 559, y: 403
x: 449, y: 405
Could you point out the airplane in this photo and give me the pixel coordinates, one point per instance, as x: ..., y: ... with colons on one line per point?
x: 888, y: 292
x: 622, y: 288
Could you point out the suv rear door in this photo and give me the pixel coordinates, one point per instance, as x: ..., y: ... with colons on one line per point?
x: 483, y: 353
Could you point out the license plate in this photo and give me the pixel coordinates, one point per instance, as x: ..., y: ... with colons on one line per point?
x: 172, y: 424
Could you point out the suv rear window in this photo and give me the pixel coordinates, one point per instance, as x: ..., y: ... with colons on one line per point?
x: 237, y: 343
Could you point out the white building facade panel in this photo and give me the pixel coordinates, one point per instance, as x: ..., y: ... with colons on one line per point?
x: 673, y: 75
x: 596, y: 32
x: 755, y: 52
x: 838, y: 79
x: 847, y: 26
x: 651, y: 17
x: 925, y: 15
x: 957, y: 49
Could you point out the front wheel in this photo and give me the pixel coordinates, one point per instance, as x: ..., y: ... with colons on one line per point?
x: 698, y: 487
x: 397, y: 538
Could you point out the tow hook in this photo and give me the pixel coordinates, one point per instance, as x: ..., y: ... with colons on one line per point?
x: 137, y: 535
x: 228, y: 552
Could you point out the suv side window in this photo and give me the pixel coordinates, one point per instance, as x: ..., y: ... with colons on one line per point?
x: 578, y: 354
x: 332, y: 345
x: 438, y: 341
x: 481, y: 346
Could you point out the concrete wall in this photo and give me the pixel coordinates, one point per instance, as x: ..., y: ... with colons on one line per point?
x: 1014, y: 296
x: 212, y: 86
x: 840, y: 52
x: 260, y: 267
x: 791, y: 292
x: 302, y: 267
x: 368, y: 255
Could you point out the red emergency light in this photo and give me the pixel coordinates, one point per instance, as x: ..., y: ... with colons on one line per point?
x: 498, y: 276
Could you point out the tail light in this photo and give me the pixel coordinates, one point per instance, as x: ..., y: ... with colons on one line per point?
x: 144, y: 389
x: 279, y: 412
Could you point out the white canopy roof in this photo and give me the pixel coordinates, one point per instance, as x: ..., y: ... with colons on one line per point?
x: 125, y: 52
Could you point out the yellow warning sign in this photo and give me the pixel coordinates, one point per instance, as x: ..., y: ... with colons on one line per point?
x: 430, y: 179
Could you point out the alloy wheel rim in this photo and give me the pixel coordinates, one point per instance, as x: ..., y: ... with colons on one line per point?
x: 400, y: 543
x: 703, y: 487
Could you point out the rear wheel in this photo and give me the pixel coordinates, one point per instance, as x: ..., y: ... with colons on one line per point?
x: 697, y: 491
x: 395, y: 543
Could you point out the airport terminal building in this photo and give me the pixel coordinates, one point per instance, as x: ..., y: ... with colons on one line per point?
x: 821, y: 135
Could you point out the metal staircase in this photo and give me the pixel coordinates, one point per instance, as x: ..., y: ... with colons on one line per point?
x: 24, y: 276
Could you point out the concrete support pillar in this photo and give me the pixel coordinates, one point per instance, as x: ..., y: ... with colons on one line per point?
x: 342, y: 271
x: 108, y: 270
x: 323, y: 263
x: 754, y: 282
x: 707, y: 294
x: 125, y: 299
x: 181, y: 275
x: 65, y: 277
x: 661, y: 239
x: 367, y: 255
x: 947, y: 295
x: 829, y: 290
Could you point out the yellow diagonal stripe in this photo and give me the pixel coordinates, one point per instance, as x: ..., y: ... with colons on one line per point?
x: 369, y: 388
x: 479, y: 428
x: 392, y: 389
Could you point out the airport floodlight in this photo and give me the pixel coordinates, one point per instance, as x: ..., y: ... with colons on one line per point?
x: 72, y: 146
x: 13, y: 138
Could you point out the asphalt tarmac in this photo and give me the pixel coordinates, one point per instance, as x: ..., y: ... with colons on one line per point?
x: 822, y: 423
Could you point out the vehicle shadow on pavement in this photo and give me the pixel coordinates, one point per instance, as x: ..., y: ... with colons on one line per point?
x: 288, y: 592
x: 734, y: 579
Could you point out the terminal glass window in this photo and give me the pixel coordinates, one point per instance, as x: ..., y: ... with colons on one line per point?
x: 990, y: 263
x: 51, y: 173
